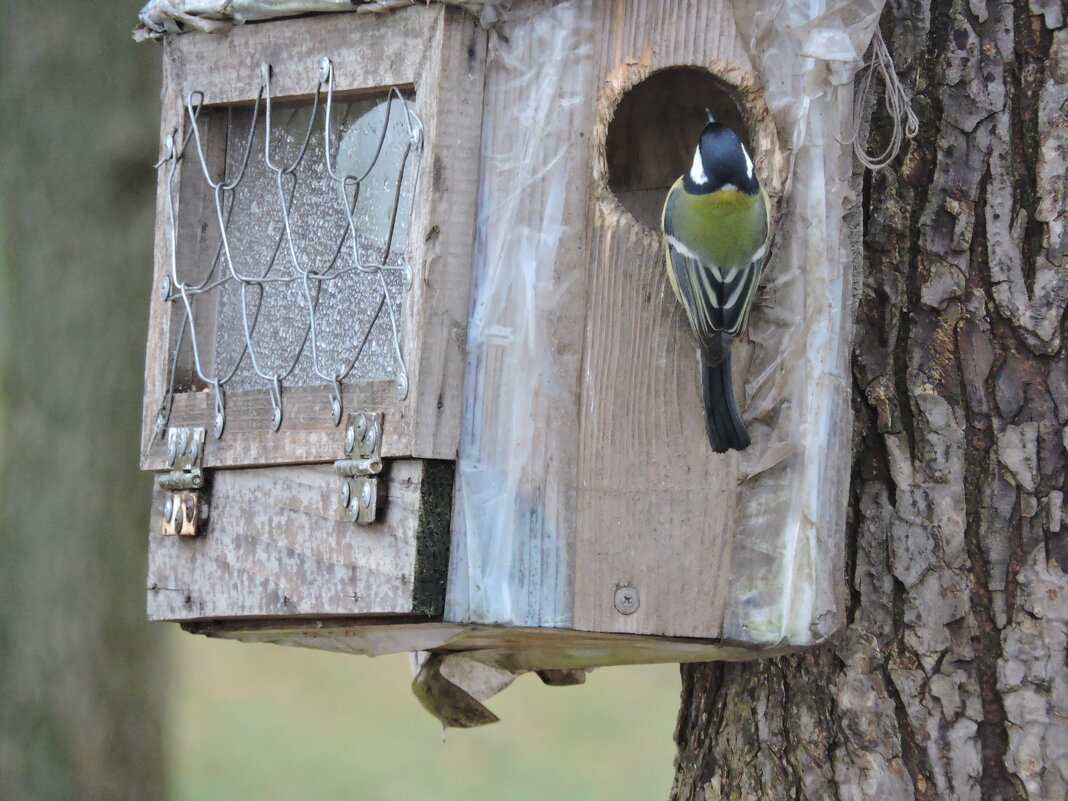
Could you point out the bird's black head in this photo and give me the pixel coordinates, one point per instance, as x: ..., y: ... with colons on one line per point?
x: 721, y: 161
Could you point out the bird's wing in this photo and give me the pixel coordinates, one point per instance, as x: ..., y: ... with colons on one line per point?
x: 715, y: 299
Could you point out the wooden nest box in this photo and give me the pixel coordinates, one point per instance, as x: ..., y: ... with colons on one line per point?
x: 415, y: 376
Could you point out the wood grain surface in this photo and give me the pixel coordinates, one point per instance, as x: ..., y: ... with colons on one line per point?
x: 276, y: 543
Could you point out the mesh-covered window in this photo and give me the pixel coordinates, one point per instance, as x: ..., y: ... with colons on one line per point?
x: 289, y: 226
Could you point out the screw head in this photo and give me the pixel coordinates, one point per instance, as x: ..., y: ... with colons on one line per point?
x: 365, y: 495
x: 346, y: 494
x: 335, y: 410
x: 276, y: 418
x: 220, y: 421
x: 626, y: 600
x: 402, y: 386
x: 370, y: 440
x: 168, y: 508
x: 172, y: 450
x: 164, y: 287
x: 350, y: 438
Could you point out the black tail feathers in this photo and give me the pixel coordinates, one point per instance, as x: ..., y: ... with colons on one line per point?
x: 725, y: 427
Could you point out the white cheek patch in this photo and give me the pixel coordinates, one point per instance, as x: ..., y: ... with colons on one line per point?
x: 748, y: 163
x: 697, y: 171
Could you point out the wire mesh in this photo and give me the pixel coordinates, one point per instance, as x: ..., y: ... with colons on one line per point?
x: 288, y: 231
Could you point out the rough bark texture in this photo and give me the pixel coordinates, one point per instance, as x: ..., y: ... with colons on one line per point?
x: 950, y: 680
x: 80, y: 701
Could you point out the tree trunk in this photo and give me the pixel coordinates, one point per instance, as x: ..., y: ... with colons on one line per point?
x: 80, y: 701
x: 950, y: 679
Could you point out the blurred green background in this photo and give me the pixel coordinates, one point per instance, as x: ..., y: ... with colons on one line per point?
x: 274, y: 723
x: 96, y: 703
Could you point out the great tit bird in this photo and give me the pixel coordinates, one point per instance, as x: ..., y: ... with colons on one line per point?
x: 715, y: 223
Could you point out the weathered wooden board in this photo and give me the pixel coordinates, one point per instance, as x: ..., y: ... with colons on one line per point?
x: 276, y: 543
x: 438, y: 51
x: 656, y: 507
x: 584, y: 462
x: 515, y: 649
x: 515, y: 501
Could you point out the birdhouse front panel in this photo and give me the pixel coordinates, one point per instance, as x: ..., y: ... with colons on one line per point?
x: 315, y: 223
x: 589, y: 496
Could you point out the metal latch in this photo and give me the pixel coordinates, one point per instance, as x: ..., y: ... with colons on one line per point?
x: 360, y: 468
x: 184, y: 508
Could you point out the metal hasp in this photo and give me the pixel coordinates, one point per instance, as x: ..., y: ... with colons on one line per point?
x: 360, y: 468
x: 185, y: 507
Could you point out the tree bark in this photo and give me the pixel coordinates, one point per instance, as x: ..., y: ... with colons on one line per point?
x: 950, y: 680
x: 80, y: 702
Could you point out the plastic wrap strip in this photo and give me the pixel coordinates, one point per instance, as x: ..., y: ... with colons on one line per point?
x: 807, y: 54
x: 509, y: 560
x: 159, y: 17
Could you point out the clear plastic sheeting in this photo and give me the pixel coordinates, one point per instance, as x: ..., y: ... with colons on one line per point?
x: 518, y: 517
x: 806, y: 55
x: 159, y: 17
x: 509, y: 558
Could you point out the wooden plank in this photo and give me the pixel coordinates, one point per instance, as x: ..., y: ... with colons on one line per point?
x: 371, y: 51
x: 516, y: 649
x: 656, y: 506
x: 413, y: 47
x: 302, y: 438
x: 276, y: 543
x: 437, y: 307
x: 159, y: 313
x: 515, y: 513
x: 702, y: 538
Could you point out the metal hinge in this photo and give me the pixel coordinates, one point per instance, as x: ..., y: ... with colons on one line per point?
x: 360, y: 468
x: 185, y: 508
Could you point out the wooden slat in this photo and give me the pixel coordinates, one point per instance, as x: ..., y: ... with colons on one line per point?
x: 657, y: 509
x: 159, y: 314
x: 451, y: 84
x: 302, y: 438
x: 417, y: 47
x: 515, y: 649
x: 367, y: 51
x: 529, y: 281
x: 276, y: 543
